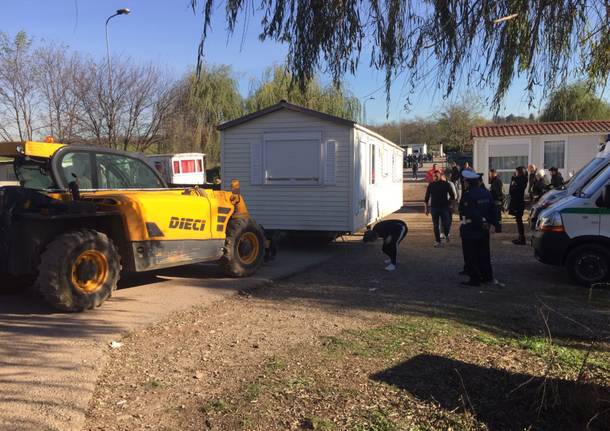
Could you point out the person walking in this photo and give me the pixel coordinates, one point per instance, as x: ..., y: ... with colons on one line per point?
x: 477, y: 221
x: 497, y: 193
x: 531, y: 179
x: 430, y: 173
x: 556, y: 178
x: 438, y: 203
x: 392, y: 232
x: 518, y: 184
x: 415, y: 168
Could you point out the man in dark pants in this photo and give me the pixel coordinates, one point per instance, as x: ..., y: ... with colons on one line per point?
x: 497, y: 193
x: 437, y: 202
x: 392, y: 232
x: 477, y: 221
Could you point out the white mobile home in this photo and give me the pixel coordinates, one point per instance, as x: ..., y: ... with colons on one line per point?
x: 180, y: 169
x: 566, y: 145
x: 302, y: 170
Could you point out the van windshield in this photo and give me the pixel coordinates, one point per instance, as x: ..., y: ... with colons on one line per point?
x: 584, y: 173
x: 596, y: 182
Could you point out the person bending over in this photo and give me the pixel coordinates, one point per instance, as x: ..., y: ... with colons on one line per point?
x: 392, y: 232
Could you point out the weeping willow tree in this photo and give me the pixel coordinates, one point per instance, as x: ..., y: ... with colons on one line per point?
x: 201, y: 103
x: 575, y: 102
x: 277, y: 84
x: 485, y: 43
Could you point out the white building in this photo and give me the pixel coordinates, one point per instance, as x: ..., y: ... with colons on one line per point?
x: 566, y: 145
x: 417, y: 149
x: 180, y: 169
x: 302, y: 170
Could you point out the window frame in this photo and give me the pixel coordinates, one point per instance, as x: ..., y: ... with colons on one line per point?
x: 316, y: 137
x: 62, y: 152
x: 553, y: 139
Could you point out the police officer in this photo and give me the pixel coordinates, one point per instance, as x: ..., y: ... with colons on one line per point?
x: 477, y: 219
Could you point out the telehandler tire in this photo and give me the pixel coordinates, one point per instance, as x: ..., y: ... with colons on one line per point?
x: 244, y: 247
x: 79, y: 270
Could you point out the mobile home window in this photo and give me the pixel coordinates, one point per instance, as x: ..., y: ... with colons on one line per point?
x: 372, y: 158
x: 187, y: 166
x: 292, y: 162
x: 554, y: 154
x: 176, y: 167
x: 199, y: 165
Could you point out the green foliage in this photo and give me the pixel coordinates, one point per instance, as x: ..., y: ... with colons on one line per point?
x: 440, y: 42
x: 201, y: 104
x: 278, y: 85
x: 576, y: 101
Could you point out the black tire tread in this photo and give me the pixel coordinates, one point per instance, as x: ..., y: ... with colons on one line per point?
x: 49, y: 284
x: 229, y: 262
x: 575, y: 251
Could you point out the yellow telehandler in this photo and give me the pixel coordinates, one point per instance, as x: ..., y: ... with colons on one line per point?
x: 81, y: 214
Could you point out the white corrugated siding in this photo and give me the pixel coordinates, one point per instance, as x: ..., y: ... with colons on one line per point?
x: 385, y: 197
x: 287, y: 207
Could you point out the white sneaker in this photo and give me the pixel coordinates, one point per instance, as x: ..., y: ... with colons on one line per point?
x: 390, y: 267
x: 438, y: 245
x: 442, y: 236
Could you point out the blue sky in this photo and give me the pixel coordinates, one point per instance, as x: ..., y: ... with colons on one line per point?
x: 167, y: 32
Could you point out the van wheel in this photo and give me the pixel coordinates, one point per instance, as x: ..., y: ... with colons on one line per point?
x: 79, y: 270
x: 244, y: 247
x: 589, y: 264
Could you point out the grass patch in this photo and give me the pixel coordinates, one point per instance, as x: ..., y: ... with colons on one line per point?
x: 377, y: 421
x: 154, y: 384
x: 253, y: 390
x: 568, y: 357
x: 215, y: 406
x: 318, y: 424
x: 274, y: 364
x: 388, y: 340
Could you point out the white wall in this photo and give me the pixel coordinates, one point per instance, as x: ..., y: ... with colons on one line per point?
x: 290, y: 207
x: 385, y: 196
x: 579, y: 150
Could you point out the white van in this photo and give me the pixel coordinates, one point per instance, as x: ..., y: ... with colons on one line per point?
x: 575, y: 231
x: 581, y: 177
x: 182, y: 169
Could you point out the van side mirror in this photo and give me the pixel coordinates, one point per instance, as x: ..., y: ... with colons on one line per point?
x: 605, y: 197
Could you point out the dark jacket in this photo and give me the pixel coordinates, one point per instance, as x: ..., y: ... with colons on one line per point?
x: 518, y: 184
x: 539, y: 187
x: 477, y: 211
x: 496, y: 189
x: 439, y: 193
x: 455, y: 174
x: 556, y: 180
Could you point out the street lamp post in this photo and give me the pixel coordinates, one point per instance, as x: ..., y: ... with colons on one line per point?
x: 123, y: 11
x: 364, y: 110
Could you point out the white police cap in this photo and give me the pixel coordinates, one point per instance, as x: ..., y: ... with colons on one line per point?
x: 470, y: 175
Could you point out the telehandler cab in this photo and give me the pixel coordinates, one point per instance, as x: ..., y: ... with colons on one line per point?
x: 81, y: 214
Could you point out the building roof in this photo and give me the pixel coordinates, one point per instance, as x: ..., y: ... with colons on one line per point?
x: 550, y: 128
x: 284, y: 105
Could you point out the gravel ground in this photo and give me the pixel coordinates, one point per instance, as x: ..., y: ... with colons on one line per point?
x: 347, y: 345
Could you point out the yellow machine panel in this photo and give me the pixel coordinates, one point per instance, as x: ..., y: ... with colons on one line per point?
x: 167, y: 215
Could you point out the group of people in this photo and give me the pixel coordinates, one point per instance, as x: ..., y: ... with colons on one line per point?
x: 416, y: 161
x: 480, y: 212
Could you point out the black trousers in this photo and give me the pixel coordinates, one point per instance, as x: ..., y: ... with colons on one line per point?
x: 519, y: 220
x: 477, y: 257
x: 499, y: 217
x: 390, y: 244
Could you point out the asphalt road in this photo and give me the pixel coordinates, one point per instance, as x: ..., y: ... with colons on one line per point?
x: 49, y: 361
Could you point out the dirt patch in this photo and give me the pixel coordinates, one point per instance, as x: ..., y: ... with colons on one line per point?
x: 349, y: 346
